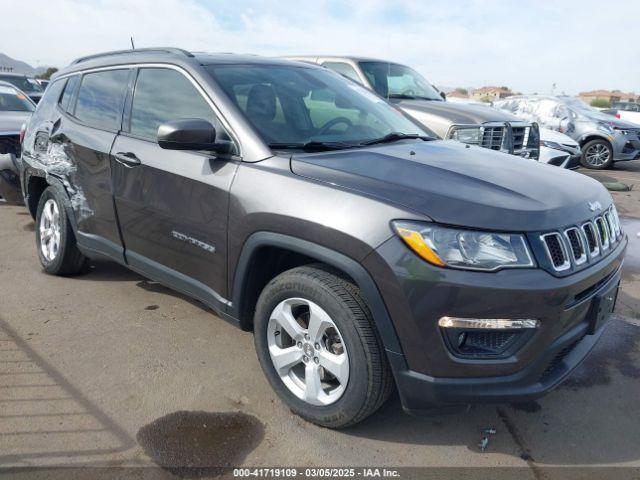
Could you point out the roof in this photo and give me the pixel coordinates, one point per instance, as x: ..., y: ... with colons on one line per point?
x: 13, y: 74
x: 164, y: 54
x: 339, y: 57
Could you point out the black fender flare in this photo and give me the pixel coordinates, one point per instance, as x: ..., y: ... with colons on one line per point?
x: 59, y: 187
x: 325, y: 255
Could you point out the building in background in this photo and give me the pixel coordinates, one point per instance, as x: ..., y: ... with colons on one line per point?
x: 490, y: 94
x: 604, y: 98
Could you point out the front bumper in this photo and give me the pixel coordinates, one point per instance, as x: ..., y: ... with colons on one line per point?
x: 428, y: 374
x: 626, y: 147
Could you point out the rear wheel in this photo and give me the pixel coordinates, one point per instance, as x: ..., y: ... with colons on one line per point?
x: 318, y: 347
x: 597, y: 154
x: 56, y: 243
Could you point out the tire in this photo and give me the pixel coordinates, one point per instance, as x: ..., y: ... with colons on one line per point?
x: 597, y: 155
x: 55, y: 240
x: 353, y: 342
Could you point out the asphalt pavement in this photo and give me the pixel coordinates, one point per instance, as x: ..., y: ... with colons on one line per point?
x: 113, y: 375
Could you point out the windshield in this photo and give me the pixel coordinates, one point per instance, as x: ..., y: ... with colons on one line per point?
x: 392, y: 80
x: 25, y: 84
x: 13, y: 101
x: 293, y: 105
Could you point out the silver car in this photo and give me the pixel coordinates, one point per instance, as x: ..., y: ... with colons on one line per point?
x: 603, y: 138
x: 403, y: 86
x: 15, y: 110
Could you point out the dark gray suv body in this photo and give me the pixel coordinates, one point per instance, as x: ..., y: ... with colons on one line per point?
x: 365, y: 256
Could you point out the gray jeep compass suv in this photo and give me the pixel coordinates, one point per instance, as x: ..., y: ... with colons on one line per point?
x: 364, y: 255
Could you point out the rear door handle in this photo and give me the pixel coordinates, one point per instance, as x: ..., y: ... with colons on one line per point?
x: 128, y: 159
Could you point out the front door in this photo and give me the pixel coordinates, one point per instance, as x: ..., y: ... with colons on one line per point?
x: 172, y: 205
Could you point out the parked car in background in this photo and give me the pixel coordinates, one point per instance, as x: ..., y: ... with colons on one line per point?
x: 15, y: 110
x: 603, y: 139
x: 555, y: 148
x: 559, y: 149
x: 467, y: 123
x: 28, y: 85
x: 628, y: 111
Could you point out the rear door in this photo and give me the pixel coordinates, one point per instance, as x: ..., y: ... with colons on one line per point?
x: 172, y: 205
x: 80, y: 145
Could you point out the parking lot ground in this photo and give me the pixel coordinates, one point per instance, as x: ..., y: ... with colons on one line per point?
x: 112, y: 370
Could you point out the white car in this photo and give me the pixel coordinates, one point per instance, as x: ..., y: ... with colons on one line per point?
x: 628, y: 111
x: 559, y: 149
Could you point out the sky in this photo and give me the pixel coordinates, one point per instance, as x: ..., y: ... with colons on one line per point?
x: 528, y: 45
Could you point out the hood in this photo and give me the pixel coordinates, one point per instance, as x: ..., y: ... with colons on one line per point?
x: 460, y: 113
x: 605, y: 118
x: 11, y: 122
x: 456, y: 184
x: 555, y: 136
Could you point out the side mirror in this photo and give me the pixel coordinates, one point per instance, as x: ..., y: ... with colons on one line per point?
x: 443, y: 95
x: 190, y: 134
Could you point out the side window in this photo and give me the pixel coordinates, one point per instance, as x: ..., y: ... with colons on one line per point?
x: 162, y: 95
x: 343, y: 69
x: 101, y: 97
x: 67, y: 94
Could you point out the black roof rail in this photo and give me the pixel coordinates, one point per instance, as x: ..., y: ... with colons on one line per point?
x: 177, y: 51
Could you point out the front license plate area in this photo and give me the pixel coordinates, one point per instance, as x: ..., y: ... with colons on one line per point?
x: 601, y: 308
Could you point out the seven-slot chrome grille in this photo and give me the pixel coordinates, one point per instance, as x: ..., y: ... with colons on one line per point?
x: 581, y: 244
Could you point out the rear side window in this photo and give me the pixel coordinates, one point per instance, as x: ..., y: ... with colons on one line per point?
x: 101, y: 98
x: 163, y: 95
x: 67, y: 94
x: 343, y: 69
x: 48, y: 101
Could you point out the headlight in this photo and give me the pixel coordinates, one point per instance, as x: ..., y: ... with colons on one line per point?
x: 554, y: 145
x: 467, y: 135
x: 465, y: 249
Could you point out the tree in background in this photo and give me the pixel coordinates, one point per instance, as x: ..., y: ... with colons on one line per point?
x: 463, y: 91
x: 47, y: 74
x: 600, y: 103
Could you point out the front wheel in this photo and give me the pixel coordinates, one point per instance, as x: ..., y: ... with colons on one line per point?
x: 597, y: 155
x: 318, y: 347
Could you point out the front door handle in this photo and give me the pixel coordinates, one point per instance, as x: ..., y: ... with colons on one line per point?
x: 128, y: 159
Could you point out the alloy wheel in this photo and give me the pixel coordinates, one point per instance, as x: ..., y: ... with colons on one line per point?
x: 597, y: 155
x: 307, y: 351
x: 50, y: 230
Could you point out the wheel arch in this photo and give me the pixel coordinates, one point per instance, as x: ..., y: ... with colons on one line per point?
x: 308, y: 252
x: 60, y: 189
x: 589, y: 137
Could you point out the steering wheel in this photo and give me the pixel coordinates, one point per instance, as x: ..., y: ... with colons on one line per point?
x: 332, y: 123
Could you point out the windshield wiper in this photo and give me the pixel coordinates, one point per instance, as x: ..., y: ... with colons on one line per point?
x: 395, y: 136
x: 312, y: 146
x: 402, y: 96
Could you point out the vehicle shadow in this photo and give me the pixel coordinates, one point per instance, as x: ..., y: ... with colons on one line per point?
x: 108, y: 271
x: 591, y: 419
x: 43, y: 417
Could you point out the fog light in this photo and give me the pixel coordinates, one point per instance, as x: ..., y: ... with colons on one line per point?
x: 488, y: 323
x: 479, y: 338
